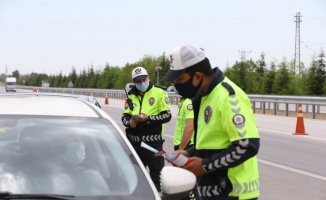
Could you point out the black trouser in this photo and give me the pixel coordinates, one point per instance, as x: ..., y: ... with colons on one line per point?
x: 154, y: 163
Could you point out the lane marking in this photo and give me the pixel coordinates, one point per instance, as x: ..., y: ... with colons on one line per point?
x: 168, y: 136
x: 292, y: 169
x: 285, y: 133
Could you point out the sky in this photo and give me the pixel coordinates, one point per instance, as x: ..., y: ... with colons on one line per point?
x: 54, y: 36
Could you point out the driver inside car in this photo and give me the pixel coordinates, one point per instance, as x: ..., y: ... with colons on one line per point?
x: 60, y: 170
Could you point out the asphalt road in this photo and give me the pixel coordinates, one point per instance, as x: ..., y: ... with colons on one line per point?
x: 291, y: 166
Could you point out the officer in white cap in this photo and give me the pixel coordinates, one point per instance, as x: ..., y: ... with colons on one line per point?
x: 144, y: 119
x: 226, y: 139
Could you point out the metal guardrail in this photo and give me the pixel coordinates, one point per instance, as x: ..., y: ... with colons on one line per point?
x: 110, y: 93
x: 314, y: 105
x: 289, y: 99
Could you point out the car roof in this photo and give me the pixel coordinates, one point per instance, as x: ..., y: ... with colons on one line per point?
x: 49, y: 104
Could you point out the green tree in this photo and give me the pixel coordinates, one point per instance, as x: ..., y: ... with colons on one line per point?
x: 324, y: 89
x: 261, y: 63
x: 35, y: 79
x: 58, y: 80
x: 163, y: 62
x: 16, y: 74
x: 296, y: 84
x: 125, y: 75
x: 237, y: 74
x: 73, y: 76
x: 268, y: 81
x: 2, y: 77
x: 316, y: 76
x: 282, y: 79
x: 97, y: 77
x: 82, y: 80
x: 245, y: 75
x: 105, y: 78
x: 64, y: 82
x: 52, y: 80
x: 150, y: 63
x: 253, y: 78
x: 112, y: 77
x: 91, y: 83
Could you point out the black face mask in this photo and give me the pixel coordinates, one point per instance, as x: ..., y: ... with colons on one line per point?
x: 187, y: 89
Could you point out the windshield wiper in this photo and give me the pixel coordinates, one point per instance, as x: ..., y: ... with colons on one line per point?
x: 9, y: 195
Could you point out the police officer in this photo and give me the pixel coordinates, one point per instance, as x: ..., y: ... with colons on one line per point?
x: 183, y: 137
x: 226, y: 136
x: 184, y: 127
x: 144, y: 118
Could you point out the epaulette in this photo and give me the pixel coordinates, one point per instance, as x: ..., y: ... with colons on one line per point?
x: 229, y: 88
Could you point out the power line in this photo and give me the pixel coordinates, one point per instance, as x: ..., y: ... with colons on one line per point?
x: 321, y: 43
x: 307, y: 46
x: 244, y: 54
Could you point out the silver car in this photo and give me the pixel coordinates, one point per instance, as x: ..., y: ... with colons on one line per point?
x: 55, y: 146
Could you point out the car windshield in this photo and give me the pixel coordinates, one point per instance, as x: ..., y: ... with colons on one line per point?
x: 68, y: 156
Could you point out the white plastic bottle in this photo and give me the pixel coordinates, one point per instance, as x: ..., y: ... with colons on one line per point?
x: 179, y: 159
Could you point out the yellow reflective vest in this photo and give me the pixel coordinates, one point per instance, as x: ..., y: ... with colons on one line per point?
x: 227, y: 139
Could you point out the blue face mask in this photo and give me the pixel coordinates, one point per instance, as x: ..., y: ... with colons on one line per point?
x: 143, y: 86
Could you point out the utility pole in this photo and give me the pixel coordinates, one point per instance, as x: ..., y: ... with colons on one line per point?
x: 297, y: 43
x: 244, y: 54
x: 157, y: 69
x: 6, y: 70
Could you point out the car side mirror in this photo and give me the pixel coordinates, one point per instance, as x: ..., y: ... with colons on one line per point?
x: 176, y: 182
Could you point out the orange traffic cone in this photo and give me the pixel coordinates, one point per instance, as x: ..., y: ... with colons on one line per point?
x: 106, y: 100
x: 299, y: 130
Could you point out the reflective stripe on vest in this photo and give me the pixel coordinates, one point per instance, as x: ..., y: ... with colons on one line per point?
x: 242, y: 188
x: 145, y: 138
x: 208, y: 191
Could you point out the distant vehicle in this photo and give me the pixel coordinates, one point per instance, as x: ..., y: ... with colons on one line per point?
x: 171, y: 89
x: 129, y: 86
x: 70, y: 84
x: 10, y: 84
x: 60, y: 146
x: 45, y: 84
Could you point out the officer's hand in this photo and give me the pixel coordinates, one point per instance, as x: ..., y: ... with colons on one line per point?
x: 183, y: 152
x: 133, y: 123
x: 142, y: 117
x: 196, y: 166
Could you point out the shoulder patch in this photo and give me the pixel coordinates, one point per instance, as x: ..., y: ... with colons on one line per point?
x: 167, y: 99
x: 189, y: 107
x: 239, y: 120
